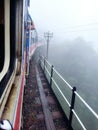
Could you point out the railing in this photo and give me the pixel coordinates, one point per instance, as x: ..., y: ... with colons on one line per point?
x: 80, y: 115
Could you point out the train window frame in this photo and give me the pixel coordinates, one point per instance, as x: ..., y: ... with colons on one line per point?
x: 8, y: 75
x: 7, y: 39
x: 1, y: 35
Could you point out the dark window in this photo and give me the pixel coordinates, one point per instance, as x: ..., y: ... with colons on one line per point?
x: 1, y: 34
x: 9, y: 47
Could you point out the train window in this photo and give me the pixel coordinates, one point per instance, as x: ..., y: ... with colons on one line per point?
x: 7, y: 47
x: 1, y: 34
x: 4, y: 37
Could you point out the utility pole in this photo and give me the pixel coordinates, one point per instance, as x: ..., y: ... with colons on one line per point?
x: 47, y: 36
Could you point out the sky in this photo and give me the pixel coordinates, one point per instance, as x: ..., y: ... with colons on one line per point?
x: 67, y: 19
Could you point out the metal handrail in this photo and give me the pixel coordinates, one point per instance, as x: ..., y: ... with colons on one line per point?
x: 91, y: 110
x: 79, y: 120
x: 47, y: 71
x: 75, y: 93
x: 48, y: 63
x: 61, y: 92
x: 63, y: 79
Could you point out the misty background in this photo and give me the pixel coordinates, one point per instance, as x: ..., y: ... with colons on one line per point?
x: 73, y: 49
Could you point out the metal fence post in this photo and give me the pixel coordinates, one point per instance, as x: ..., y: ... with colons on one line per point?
x: 72, y: 107
x: 44, y: 64
x: 51, y: 75
x: 40, y: 58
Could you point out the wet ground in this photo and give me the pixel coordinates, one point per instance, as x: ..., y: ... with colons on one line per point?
x: 41, y: 110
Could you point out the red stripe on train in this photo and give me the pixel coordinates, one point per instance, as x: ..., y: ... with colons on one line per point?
x: 19, y: 106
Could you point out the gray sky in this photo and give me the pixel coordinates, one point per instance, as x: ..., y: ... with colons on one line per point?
x: 67, y: 19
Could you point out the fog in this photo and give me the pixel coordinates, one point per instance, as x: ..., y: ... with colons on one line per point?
x: 77, y: 62
x: 73, y: 50
x: 67, y: 19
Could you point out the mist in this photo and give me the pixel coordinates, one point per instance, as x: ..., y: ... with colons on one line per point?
x: 73, y: 50
x: 77, y: 61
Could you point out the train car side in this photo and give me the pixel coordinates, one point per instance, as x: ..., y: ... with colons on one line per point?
x: 13, y: 59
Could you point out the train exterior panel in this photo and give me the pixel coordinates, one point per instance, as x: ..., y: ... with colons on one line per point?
x: 18, y: 39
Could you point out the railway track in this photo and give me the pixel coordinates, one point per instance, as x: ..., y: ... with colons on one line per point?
x: 41, y: 110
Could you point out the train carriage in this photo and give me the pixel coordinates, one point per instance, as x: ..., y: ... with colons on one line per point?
x: 13, y: 59
x: 31, y: 40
